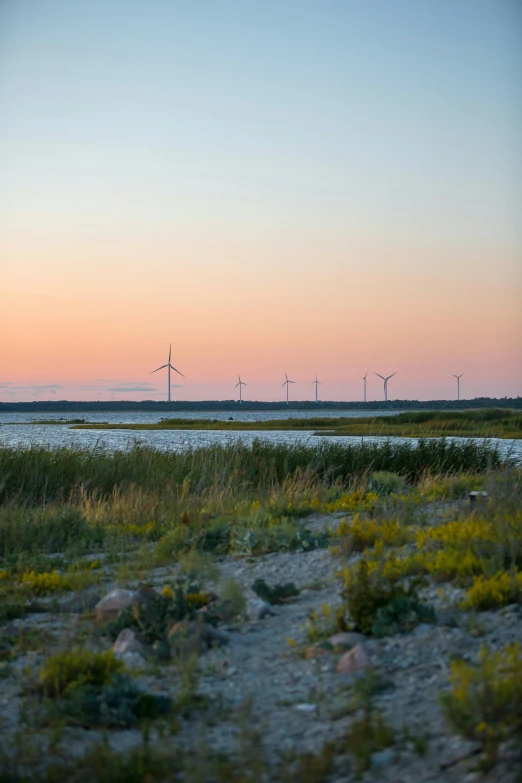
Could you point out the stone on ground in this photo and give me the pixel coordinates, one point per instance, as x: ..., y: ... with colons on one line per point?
x: 355, y: 660
x: 113, y: 603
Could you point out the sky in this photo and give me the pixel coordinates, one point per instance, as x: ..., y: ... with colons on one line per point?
x: 292, y: 186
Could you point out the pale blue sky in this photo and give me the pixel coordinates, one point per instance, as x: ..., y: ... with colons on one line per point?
x: 345, y: 135
x: 400, y: 110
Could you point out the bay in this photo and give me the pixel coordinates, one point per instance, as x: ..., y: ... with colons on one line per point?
x: 17, y: 429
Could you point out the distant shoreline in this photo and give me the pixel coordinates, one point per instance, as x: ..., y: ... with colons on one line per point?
x: 488, y: 423
x: 70, y: 406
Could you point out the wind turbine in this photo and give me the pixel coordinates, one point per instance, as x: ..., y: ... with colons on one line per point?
x: 240, y: 383
x: 386, y: 383
x: 365, y: 382
x: 317, y: 384
x: 170, y: 367
x: 286, y: 384
x: 458, y: 377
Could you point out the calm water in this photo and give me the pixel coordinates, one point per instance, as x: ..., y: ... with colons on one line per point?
x: 16, y: 429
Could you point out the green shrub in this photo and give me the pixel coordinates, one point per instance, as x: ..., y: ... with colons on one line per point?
x: 382, y: 605
x: 502, y: 588
x: 152, y: 614
x: 12, y: 609
x: 401, y: 615
x: 214, y: 536
x: 197, y: 567
x: 276, y: 594
x: 232, y: 601
x: 46, y: 530
x: 171, y: 545
x: 117, y: 704
x: 484, y: 702
x: 91, y: 689
x: 66, y: 670
x: 385, y: 483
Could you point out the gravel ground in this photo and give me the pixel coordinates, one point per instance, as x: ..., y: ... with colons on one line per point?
x: 299, y: 702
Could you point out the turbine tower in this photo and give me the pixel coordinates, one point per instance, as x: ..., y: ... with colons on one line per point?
x: 458, y: 377
x: 365, y: 382
x: 170, y: 367
x: 240, y: 383
x: 317, y: 384
x: 288, y: 381
x: 386, y: 383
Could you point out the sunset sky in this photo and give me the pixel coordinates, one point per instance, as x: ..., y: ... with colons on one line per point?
x: 295, y: 186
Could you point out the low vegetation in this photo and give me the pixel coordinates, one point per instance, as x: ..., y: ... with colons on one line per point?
x: 403, y: 548
x: 36, y: 475
x: 484, y: 702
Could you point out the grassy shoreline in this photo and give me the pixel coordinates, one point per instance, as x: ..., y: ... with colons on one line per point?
x: 491, y: 423
x: 76, y: 522
x: 38, y: 474
x: 224, y: 499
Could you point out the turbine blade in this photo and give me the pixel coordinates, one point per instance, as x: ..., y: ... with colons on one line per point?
x: 380, y: 376
x: 237, y: 384
x: 170, y: 352
x: 173, y: 368
x: 284, y: 384
x: 160, y: 368
x: 391, y: 376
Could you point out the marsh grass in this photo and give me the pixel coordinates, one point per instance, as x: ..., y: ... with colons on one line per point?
x: 38, y: 475
x: 492, y: 422
x: 69, y: 502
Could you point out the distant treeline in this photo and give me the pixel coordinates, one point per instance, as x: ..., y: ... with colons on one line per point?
x: 70, y: 406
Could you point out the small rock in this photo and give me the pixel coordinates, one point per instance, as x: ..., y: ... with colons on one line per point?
x: 113, y: 603
x: 128, y: 641
x: 355, y: 660
x: 306, y: 707
x: 382, y: 758
x: 346, y: 639
x: 257, y: 609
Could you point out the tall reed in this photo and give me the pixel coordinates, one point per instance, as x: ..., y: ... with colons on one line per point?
x: 37, y: 475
